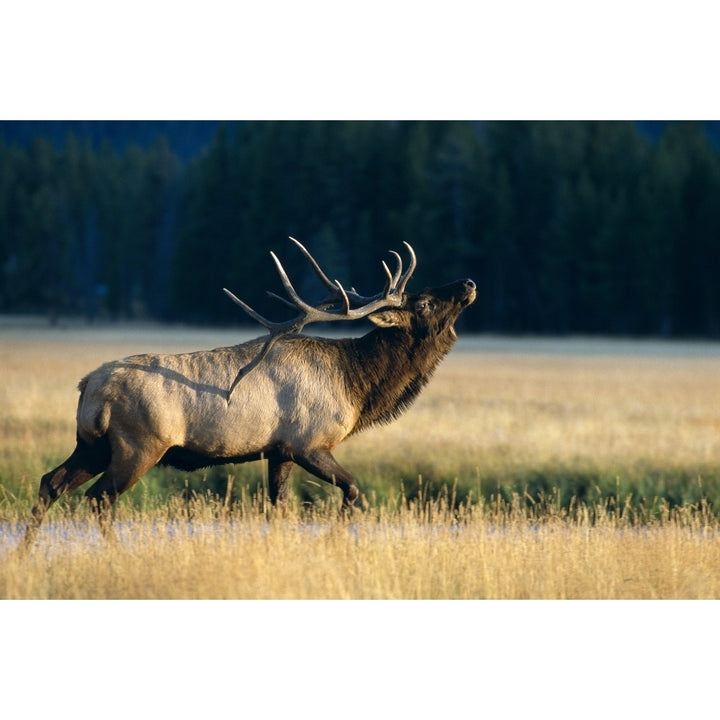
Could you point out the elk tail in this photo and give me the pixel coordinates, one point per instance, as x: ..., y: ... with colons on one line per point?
x: 93, y: 414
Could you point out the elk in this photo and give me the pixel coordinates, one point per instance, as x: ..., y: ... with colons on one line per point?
x: 287, y: 398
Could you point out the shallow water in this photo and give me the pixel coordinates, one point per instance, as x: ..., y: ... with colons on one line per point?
x: 61, y: 538
x: 67, y: 536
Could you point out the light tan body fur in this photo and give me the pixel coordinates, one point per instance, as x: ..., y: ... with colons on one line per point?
x: 169, y: 400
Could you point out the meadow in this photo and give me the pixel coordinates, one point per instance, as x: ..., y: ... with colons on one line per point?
x: 527, y: 468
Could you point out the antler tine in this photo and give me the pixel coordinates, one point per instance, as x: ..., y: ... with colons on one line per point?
x: 337, y: 292
x: 254, y: 362
x: 329, y: 284
x: 345, y: 299
x: 254, y: 315
x: 400, y: 286
x: 282, y: 300
x: 390, y: 280
x: 398, y: 272
x: 297, y: 301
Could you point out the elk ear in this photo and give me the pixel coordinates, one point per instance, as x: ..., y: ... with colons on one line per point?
x: 387, y: 318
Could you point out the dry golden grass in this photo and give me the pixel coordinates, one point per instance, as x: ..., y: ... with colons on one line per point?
x: 417, y: 553
x: 525, y: 408
x: 495, y: 408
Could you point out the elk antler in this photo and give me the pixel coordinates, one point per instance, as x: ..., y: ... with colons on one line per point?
x: 325, y: 311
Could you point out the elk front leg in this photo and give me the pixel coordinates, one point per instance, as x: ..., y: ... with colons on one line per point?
x: 322, y: 464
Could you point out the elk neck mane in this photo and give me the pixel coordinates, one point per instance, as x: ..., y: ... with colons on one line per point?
x: 387, y: 368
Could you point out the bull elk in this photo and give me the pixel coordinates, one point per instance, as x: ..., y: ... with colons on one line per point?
x: 304, y: 395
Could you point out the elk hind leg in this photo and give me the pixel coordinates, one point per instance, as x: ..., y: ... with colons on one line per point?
x: 86, y: 461
x: 125, y: 469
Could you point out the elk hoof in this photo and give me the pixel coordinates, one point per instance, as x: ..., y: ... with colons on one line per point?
x: 351, y: 495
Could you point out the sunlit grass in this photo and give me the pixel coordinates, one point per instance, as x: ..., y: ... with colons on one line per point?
x: 417, y: 550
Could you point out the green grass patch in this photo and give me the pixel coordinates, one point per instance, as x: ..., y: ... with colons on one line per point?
x: 644, y: 491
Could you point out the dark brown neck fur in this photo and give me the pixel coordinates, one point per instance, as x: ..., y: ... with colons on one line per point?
x: 387, y: 369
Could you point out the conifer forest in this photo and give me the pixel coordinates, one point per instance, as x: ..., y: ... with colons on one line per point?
x: 567, y: 227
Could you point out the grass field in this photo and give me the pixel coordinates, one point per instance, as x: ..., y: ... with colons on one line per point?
x: 526, y: 469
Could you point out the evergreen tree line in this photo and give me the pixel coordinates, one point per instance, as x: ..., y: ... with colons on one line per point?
x: 566, y: 227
